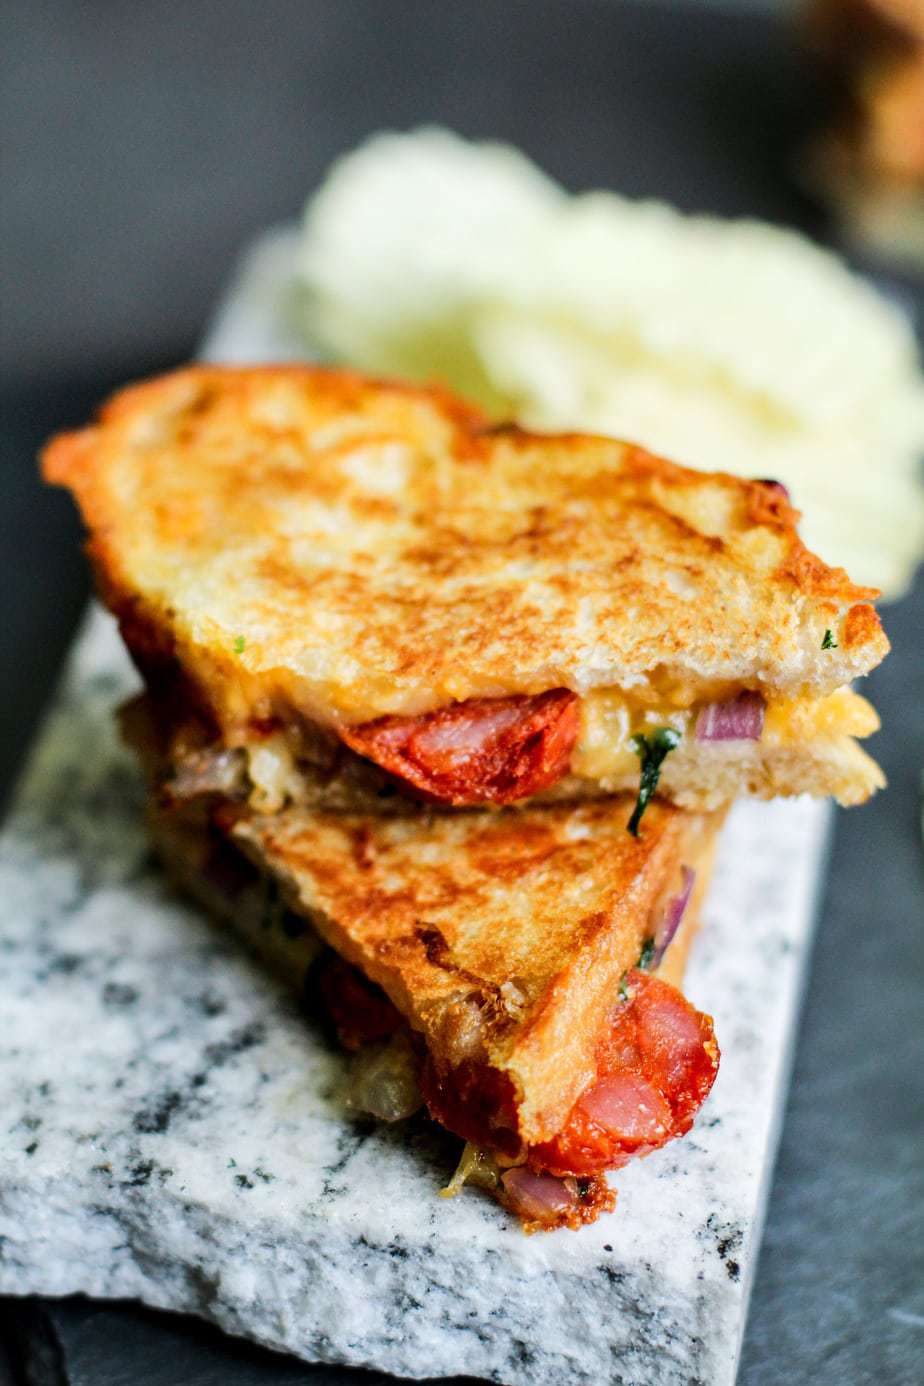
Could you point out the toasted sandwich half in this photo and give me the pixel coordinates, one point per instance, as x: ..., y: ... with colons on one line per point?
x: 513, y: 971
x: 342, y: 592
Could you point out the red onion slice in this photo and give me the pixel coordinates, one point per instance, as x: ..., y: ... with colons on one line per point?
x: 776, y: 486
x: 538, y: 1197
x: 673, y: 914
x: 739, y: 719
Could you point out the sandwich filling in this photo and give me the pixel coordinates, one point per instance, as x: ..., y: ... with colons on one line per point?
x: 500, y: 750
x: 657, y: 1059
x: 512, y: 749
x: 488, y: 750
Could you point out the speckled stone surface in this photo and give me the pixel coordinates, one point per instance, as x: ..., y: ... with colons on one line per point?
x: 171, y: 1130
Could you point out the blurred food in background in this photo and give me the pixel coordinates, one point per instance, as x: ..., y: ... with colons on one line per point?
x: 870, y: 162
x: 725, y: 345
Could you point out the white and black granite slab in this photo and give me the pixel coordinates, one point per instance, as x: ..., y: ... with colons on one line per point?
x: 171, y: 1131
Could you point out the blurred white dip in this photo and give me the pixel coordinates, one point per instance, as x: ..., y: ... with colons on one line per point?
x: 729, y: 345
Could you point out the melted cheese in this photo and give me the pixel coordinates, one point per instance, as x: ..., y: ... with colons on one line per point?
x: 611, y: 717
x: 842, y: 713
x: 274, y: 774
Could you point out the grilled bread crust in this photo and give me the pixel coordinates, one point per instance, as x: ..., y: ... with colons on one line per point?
x: 442, y: 990
x: 500, y: 937
x: 315, y: 543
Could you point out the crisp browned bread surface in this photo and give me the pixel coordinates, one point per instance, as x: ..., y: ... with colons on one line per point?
x: 358, y: 548
x: 500, y: 937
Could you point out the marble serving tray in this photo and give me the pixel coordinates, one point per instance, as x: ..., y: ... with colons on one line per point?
x: 171, y: 1125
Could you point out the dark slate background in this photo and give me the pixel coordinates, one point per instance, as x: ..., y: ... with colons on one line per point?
x: 145, y: 144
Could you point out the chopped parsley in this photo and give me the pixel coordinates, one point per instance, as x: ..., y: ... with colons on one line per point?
x: 829, y: 642
x: 651, y: 750
x: 647, y: 954
x: 623, y: 989
x: 239, y: 643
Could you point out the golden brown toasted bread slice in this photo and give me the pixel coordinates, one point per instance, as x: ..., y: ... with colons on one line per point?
x: 315, y: 551
x: 501, y: 938
x: 523, y: 952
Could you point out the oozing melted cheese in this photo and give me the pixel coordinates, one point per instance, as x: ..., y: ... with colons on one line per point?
x: 611, y: 717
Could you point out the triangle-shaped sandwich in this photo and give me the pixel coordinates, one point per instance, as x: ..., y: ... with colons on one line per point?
x: 513, y: 970
x: 340, y: 590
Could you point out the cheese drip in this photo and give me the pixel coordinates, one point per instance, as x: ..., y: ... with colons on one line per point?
x: 612, y: 716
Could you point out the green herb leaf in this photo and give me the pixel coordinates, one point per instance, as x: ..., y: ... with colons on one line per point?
x: 651, y: 750
x: 239, y: 643
x: 623, y: 990
x: 829, y: 642
x: 646, y: 955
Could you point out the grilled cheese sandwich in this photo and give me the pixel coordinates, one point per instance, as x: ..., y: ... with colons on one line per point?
x: 515, y: 972
x: 361, y: 586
